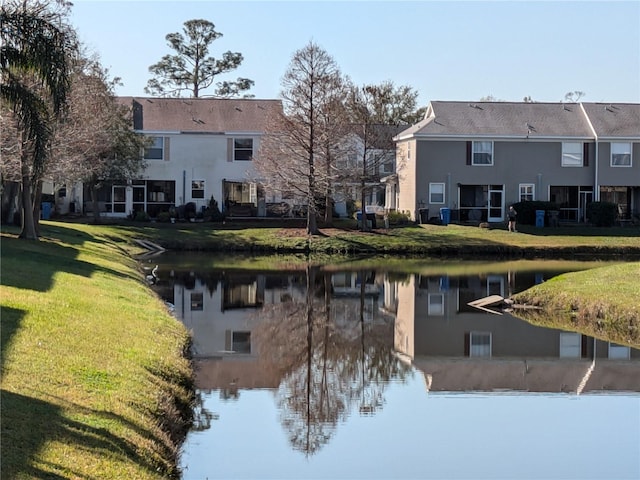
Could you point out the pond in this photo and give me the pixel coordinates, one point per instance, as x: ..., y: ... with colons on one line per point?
x: 381, y: 369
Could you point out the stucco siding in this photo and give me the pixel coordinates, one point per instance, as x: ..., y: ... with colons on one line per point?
x: 406, y: 171
x: 198, y: 157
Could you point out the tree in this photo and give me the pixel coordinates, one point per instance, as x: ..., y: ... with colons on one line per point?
x: 36, y: 42
x: 574, y: 96
x: 95, y: 142
x: 191, y: 69
x: 375, y: 113
x: 292, y: 153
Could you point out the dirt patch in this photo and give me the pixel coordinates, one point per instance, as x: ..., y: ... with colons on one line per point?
x: 327, y: 232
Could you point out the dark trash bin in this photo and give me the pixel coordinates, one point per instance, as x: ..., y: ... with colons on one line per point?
x: 423, y: 215
x: 445, y: 216
x: 540, y: 218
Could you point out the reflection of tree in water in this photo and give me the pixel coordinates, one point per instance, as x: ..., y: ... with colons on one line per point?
x: 201, y: 416
x: 329, y: 365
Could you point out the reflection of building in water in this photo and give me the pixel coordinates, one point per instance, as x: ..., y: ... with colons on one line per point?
x: 222, y: 311
x: 463, y: 348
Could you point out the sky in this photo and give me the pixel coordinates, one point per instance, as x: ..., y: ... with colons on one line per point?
x: 451, y: 50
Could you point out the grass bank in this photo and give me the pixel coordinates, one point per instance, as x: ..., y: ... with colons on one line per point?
x: 95, y: 378
x: 420, y: 240
x: 602, y: 302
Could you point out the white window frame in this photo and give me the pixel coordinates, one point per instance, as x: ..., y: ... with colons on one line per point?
x: 478, y: 147
x: 625, y: 151
x: 618, y: 352
x: 527, y: 192
x: 198, y: 186
x: 480, y: 349
x: 237, y: 149
x: 158, y: 144
x: 572, y: 154
x: 432, y: 192
x: 436, y: 307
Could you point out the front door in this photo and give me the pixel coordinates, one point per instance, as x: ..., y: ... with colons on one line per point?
x: 496, y: 204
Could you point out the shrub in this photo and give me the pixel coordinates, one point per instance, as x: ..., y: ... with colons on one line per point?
x: 163, y: 217
x: 213, y: 212
x: 398, y: 218
x: 527, y: 210
x: 602, y: 214
x: 142, y: 216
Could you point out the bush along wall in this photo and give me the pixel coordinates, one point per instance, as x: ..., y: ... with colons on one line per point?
x: 527, y: 210
x: 602, y: 214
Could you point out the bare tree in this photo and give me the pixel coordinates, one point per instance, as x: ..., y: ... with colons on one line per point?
x: 376, y: 112
x: 191, y: 69
x: 574, y: 96
x: 292, y: 150
x: 36, y: 42
x: 95, y: 143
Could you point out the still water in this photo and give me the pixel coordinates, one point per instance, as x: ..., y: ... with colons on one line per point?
x: 348, y: 371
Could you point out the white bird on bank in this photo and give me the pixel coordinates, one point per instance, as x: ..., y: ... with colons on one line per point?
x: 153, y: 278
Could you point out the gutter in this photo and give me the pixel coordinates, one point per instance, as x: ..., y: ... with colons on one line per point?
x: 596, y: 180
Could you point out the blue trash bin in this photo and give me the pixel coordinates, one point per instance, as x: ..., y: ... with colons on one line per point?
x: 45, y: 210
x: 539, y: 218
x: 445, y: 215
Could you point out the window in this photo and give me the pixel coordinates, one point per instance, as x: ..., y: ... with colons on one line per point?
x: 436, y: 304
x: 620, y: 154
x: 436, y: 193
x: 387, y: 167
x: 482, y: 153
x: 155, y: 151
x: 527, y: 192
x: 619, y: 352
x: 572, y: 154
x: 242, y: 149
x: 197, y: 189
x: 241, y: 342
x: 197, y: 301
x: 480, y: 344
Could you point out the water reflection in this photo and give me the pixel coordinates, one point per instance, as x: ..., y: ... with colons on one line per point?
x: 328, y: 342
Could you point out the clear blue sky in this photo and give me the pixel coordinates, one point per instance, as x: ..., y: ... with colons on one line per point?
x: 449, y: 50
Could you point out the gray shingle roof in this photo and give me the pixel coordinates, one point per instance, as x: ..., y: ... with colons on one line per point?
x: 201, y: 115
x: 503, y: 119
x: 614, y: 120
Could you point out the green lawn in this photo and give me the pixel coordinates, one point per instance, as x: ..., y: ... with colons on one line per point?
x: 95, y: 383
x: 95, y: 379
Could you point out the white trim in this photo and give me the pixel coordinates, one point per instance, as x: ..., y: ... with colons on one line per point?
x: 473, y: 153
x: 533, y: 191
x: 580, y: 152
x: 444, y: 193
x: 630, y: 154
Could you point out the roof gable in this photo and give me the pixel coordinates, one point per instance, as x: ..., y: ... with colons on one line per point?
x: 614, y: 119
x: 201, y: 115
x: 502, y: 119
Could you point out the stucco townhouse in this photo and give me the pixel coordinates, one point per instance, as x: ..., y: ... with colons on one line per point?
x: 202, y: 148
x: 477, y: 158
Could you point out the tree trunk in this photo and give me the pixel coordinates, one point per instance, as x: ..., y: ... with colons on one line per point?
x: 37, y: 197
x: 28, y: 227
x: 95, y: 203
x: 312, y: 224
x: 10, y: 201
x: 363, y: 196
x: 328, y: 212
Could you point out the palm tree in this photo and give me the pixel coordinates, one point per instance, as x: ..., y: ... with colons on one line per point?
x: 34, y: 84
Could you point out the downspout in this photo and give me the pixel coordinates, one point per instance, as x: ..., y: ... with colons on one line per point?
x: 596, y: 180
x: 184, y: 186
